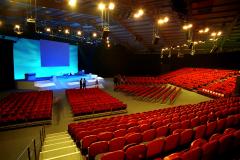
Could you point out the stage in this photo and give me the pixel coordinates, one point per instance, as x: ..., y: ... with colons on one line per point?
x: 59, y: 82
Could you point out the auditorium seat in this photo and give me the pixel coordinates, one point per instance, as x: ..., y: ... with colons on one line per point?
x: 137, y: 152
x: 115, y: 155
x: 117, y: 143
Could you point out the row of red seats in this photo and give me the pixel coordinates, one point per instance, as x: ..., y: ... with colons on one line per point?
x: 149, y: 93
x: 26, y: 107
x: 200, y: 149
x: 156, y: 145
x: 211, y: 109
x: 219, y: 146
x: 178, y: 113
x: 223, y: 88
x: 146, y: 133
x: 91, y: 101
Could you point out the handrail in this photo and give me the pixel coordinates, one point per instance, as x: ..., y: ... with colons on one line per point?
x: 33, y: 142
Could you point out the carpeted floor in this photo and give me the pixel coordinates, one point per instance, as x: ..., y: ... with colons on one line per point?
x: 13, y: 142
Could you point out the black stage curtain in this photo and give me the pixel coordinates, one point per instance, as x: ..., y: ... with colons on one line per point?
x: 6, y: 65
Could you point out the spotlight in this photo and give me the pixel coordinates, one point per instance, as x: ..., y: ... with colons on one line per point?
x: 1, y: 23
x: 72, y: 3
x: 101, y: 6
x: 111, y: 6
x: 17, y: 26
x: 94, y: 34
x: 139, y: 13
x: 166, y: 19
x: 206, y: 30
x: 178, y: 46
x: 66, y: 31
x: 219, y: 33
x: 187, y: 26
x: 213, y: 34
x: 48, y: 29
x: 108, y: 45
x: 162, y: 21
x: 79, y: 33
x: 200, y: 31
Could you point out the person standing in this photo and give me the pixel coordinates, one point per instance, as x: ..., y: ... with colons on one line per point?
x: 84, y: 83
x: 81, y: 83
x: 96, y: 83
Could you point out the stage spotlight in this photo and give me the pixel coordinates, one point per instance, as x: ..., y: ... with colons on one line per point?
x: 213, y: 34
x: 219, y: 33
x: 48, y: 29
x: 17, y: 29
x: 94, y: 34
x: 79, y: 33
x: 72, y: 3
x: 111, y: 6
x: 101, y: 6
x: 206, y: 30
x: 187, y: 26
x: 66, y: 31
x: 139, y: 13
x: 166, y: 19
x: 108, y: 45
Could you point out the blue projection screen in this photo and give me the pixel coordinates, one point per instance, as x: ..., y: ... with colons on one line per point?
x: 54, y: 54
x: 27, y: 59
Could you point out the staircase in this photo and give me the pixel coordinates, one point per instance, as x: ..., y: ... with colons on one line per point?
x: 59, y: 146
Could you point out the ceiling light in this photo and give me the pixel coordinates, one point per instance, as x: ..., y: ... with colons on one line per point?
x: 94, y: 34
x: 195, y: 42
x: 219, y: 33
x: 190, y: 26
x: 166, y: 19
x: 101, y: 6
x: 108, y: 45
x: 178, y: 46
x: 211, y: 39
x: 136, y: 15
x: 17, y: 26
x: 72, y: 3
x: 140, y: 12
x: 187, y: 26
x: 111, y: 6
x: 213, y: 34
x: 201, y: 31
x: 1, y: 23
x: 66, y: 31
x: 48, y: 29
x: 206, y: 30
x: 79, y: 33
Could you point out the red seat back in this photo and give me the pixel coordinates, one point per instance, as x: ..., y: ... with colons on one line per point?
x: 117, y: 143
x: 137, y: 152
x: 116, y: 155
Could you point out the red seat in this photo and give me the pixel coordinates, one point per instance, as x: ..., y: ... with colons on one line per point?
x: 226, y: 144
x: 192, y: 154
x: 117, y: 143
x: 162, y: 131
x: 88, y: 140
x: 116, y: 155
x: 171, y: 142
x: 237, y: 138
x: 221, y: 125
x: 137, y: 152
x: 144, y: 127
x: 105, y: 136
x: 203, y: 119
x: 149, y: 135
x: 157, y: 124
x: 229, y: 131
x: 186, y: 136
x: 198, y: 143
x: 155, y: 147
x: 211, y: 128
x: 134, y: 129
x: 215, y: 136
x: 185, y: 124
x: 120, y: 133
x: 209, y: 150
x: 195, y: 122
x: 231, y: 121
x: 173, y: 156
x: 200, y: 131
x: 175, y: 126
x: 134, y: 138
x: 97, y: 148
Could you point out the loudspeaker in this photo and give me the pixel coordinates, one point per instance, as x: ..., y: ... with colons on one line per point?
x: 105, y: 33
x: 31, y: 27
x: 237, y: 88
x: 155, y: 39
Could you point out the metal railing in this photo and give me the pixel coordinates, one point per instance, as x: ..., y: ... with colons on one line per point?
x: 32, y: 150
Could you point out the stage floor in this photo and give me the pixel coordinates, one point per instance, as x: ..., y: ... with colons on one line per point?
x: 60, y: 82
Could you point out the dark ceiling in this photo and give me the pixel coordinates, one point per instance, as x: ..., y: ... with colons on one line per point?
x: 137, y: 34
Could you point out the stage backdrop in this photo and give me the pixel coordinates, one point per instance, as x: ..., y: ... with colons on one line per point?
x: 27, y: 59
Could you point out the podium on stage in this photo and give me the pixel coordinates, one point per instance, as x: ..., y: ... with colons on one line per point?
x: 30, y: 76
